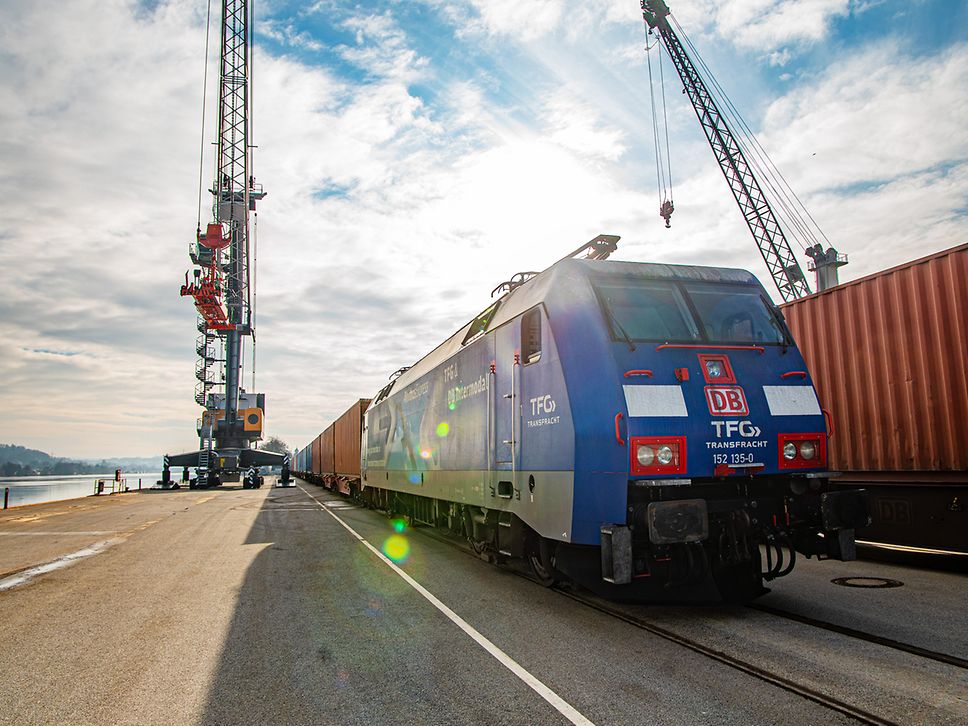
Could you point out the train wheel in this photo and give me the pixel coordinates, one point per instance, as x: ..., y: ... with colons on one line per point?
x: 541, y: 560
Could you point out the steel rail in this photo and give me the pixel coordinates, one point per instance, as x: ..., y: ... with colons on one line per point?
x: 861, y: 635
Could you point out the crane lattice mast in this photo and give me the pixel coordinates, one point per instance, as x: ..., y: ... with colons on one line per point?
x: 234, y: 191
x: 767, y: 233
x: 222, y: 289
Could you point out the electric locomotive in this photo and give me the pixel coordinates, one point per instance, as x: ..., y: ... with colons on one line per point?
x: 647, y: 430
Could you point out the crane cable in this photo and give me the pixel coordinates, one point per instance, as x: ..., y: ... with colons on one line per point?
x: 663, y: 166
x: 201, y: 150
x: 251, y: 268
x: 663, y: 162
x: 255, y: 258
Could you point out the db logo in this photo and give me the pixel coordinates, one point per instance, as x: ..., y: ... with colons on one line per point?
x: 726, y: 401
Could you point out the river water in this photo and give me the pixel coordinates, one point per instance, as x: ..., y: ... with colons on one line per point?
x: 37, y: 489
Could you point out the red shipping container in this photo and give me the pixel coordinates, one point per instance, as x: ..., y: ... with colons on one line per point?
x: 326, y: 447
x: 349, y: 431
x: 889, y: 357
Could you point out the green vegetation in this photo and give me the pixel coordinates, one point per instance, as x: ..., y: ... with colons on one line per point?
x: 275, y: 444
x: 21, y: 461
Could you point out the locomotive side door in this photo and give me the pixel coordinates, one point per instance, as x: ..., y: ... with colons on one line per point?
x: 506, y: 406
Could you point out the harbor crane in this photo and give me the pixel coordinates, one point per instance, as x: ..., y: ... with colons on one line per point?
x: 746, y: 189
x: 222, y: 285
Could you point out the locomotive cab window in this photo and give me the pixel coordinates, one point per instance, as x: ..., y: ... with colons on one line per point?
x: 384, y: 392
x: 735, y: 314
x: 531, y: 336
x: 647, y: 310
x: 479, y: 326
x: 665, y: 311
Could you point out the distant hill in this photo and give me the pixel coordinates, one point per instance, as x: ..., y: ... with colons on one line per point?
x: 9, y: 453
x: 21, y: 461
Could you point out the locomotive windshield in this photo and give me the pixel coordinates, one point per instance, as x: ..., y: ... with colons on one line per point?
x: 689, y: 312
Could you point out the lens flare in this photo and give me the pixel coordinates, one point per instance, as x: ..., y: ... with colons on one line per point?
x: 452, y: 406
x: 443, y: 428
x: 397, y: 548
x: 413, y: 478
x: 425, y: 454
x: 399, y: 525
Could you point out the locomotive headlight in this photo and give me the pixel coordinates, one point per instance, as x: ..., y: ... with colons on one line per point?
x: 789, y: 451
x: 645, y: 455
x: 808, y: 449
x: 714, y: 368
x: 657, y: 455
x: 664, y: 455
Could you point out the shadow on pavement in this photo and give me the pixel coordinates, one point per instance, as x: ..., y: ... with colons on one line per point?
x: 325, y: 634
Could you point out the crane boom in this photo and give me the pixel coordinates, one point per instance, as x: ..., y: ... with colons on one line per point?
x: 756, y: 210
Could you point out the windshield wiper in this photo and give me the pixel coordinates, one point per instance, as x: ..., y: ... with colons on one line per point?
x: 611, y: 316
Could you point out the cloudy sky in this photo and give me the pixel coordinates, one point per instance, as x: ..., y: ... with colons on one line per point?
x: 417, y: 153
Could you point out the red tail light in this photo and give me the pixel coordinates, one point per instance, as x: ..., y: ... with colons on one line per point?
x: 802, y: 451
x: 658, y: 455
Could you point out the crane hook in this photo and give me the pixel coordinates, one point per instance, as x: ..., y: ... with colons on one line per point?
x: 665, y: 211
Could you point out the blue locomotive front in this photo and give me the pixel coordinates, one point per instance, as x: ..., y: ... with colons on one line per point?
x: 646, y: 430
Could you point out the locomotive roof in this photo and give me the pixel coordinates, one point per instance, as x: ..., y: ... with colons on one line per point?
x: 564, y: 274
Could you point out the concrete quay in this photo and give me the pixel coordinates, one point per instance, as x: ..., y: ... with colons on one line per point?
x: 234, y: 606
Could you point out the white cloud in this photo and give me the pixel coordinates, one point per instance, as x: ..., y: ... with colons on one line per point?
x: 381, y: 48
x: 576, y: 125
x: 766, y: 26
x: 873, y: 117
x: 769, y: 24
x: 523, y: 19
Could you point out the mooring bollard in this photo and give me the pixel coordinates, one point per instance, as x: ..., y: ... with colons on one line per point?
x: 139, y: 483
x: 6, y: 497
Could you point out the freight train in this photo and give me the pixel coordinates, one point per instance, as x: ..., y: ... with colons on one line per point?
x: 649, y: 431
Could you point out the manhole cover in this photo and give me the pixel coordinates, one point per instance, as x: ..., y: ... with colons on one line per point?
x: 866, y: 582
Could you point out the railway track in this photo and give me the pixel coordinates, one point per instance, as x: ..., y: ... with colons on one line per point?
x: 861, y: 635
x: 743, y: 665
x: 692, y: 644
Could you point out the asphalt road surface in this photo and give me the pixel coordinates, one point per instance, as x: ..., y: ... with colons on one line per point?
x: 277, y: 605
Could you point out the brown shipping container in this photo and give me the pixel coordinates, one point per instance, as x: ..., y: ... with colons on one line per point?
x: 349, y: 429
x: 326, y: 438
x: 317, y: 455
x: 888, y: 356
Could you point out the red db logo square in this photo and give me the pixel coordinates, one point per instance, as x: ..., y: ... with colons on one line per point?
x: 726, y: 401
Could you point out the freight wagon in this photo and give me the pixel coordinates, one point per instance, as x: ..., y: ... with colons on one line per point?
x: 334, y: 461
x: 888, y: 354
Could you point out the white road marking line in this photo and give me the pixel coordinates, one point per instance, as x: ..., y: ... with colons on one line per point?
x: 288, y: 509
x: 55, y: 534
x: 26, y: 576
x: 560, y: 705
